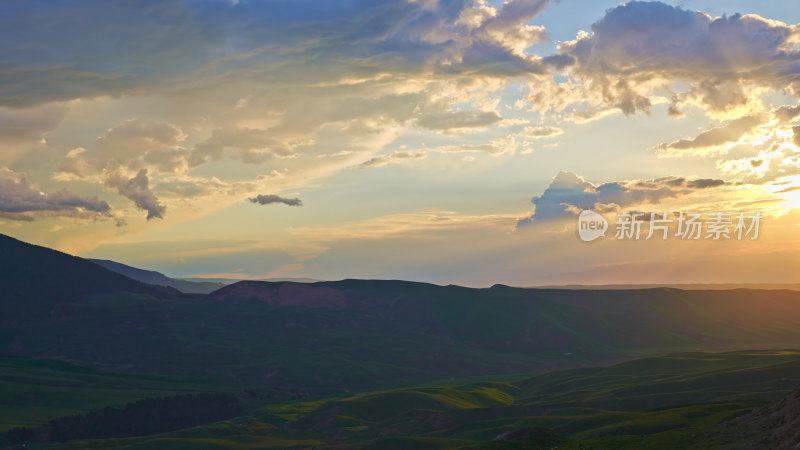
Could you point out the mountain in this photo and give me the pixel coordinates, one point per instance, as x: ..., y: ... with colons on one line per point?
x: 398, y: 364
x: 159, y: 279
x: 40, y: 282
x: 358, y: 334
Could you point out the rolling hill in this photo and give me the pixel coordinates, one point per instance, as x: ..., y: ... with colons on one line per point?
x: 653, y: 403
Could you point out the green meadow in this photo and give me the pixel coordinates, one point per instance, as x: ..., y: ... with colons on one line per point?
x: 674, y: 401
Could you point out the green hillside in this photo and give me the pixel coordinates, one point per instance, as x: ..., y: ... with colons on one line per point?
x: 599, y: 408
x: 33, y: 391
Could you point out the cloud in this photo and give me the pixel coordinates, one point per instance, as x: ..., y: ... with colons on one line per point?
x: 786, y: 113
x: 137, y: 190
x: 185, y: 187
x: 458, y: 120
x: 263, y: 199
x: 640, y: 47
x: 205, y: 82
x: 134, y: 144
x: 21, y: 200
x: 513, y: 122
x: 702, y: 183
x: 541, y: 132
x: 730, y: 132
x: 28, y: 125
x: 569, y: 193
x: 390, y: 158
x: 767, y: 153
x: 171, y: 46
x: 499, y: 146
x: 24, y: 129
x: 253, y: 146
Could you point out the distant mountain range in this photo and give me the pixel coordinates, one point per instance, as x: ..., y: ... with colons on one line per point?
x: 360, y: 333
x: 186, y: 285
x: 227, y: 281
x: 159, y: 279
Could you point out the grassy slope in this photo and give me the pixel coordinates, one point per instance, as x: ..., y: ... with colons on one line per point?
x: 674, y: 401
x: 35, y: 391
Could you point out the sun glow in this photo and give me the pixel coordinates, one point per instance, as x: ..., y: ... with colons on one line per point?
x: 789, y: 192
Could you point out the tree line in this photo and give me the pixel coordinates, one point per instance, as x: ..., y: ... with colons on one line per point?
x: 148, y: 416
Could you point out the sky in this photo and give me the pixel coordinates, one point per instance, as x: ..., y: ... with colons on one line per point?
x: 447, y: 141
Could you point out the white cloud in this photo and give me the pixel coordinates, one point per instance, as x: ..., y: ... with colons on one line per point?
x: 728, y: 133
x: 639, y: 48
x: 134, y: 144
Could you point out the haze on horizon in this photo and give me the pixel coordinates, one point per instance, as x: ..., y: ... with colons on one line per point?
x: 450, y: 141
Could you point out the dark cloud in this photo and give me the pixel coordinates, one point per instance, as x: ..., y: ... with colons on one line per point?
x: 62, y: 51
x: 137, y: 189
x: 268, y: 199
x: 20, y: 200
x: 569, y: 193
x: 89, y: 48
x: 28, y: 124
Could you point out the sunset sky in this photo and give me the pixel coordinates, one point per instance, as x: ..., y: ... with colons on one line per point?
x: 448, y: 141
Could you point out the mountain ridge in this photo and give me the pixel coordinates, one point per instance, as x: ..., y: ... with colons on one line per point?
x: 157, y: 278
x: 363, y: 333
x: 43, y: 280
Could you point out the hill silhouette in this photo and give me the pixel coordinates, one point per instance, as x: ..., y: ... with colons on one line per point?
x: 356, y: 334
x: 39, y: 282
